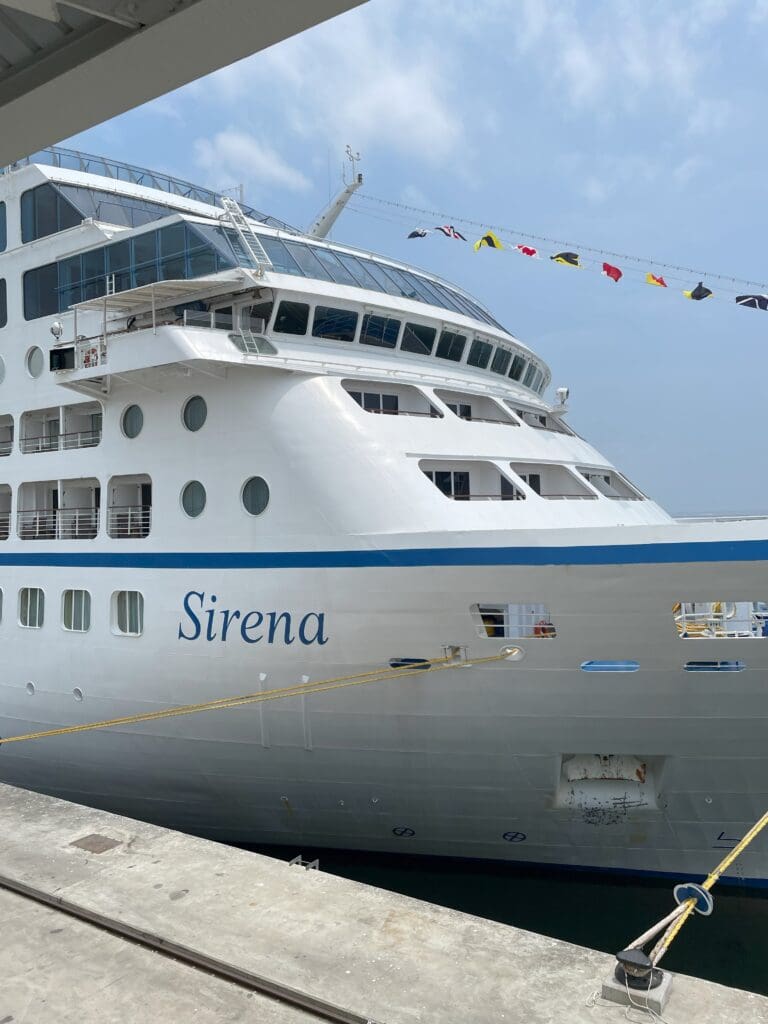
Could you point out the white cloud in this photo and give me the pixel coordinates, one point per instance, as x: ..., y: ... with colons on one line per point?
x: 232, y: 156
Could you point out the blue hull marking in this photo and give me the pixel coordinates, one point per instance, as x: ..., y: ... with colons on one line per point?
x: 608, y: 554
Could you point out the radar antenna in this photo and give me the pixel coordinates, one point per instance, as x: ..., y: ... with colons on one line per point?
x: 325, y: 221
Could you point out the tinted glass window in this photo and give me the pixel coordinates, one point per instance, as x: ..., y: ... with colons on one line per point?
x: 529, y: 375
x: 338, y: 324
x: 334, y: 266
x: 384, y: 283
x: 479, y: 354
x: 3, y: 228
x: 306, y: 259
x: 172, y: 239
x: 451, y: 346
x: 357, y: 269
x: 41, y: 292
x: 379, y: 330
x: 94, y: 283
x: 502, y: 357
x: 3, y: 303
x: 145, y: 258
x: 44, y: 211
x: 407, y: 288
x: 119, y: 264
x: 292, y: 318
x: 279, y: 256
x: 418, y: 338
x: 255, y: 495
x: 251, y: 316
x: 517, y: 367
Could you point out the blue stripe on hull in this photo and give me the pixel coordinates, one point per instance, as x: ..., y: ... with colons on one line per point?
x: 609, y: 554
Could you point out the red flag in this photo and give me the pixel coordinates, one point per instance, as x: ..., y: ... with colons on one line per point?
x: 526, y: 250
x: 613, y: 272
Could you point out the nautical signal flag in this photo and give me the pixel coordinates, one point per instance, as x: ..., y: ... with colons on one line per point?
x: 613, y: 272
x: 419, y: 233
x: 753, y: 301
x: 527, y: 250
x: 490, y: 240
x: 570, y: 259
x: 653, y: 279
x: 698, y: 293
x: 450, y: 231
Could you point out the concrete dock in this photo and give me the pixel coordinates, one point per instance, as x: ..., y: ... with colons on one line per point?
x: 106, y: 919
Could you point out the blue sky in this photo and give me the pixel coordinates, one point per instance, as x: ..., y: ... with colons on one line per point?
x: 637, y: 128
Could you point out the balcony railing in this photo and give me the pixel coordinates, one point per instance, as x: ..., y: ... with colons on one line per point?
x: 58, y: 523
x: 125, y: 521
x: 6, y: 447
x: 59, y: 442
x: 5, y: 525
x: 517, y: 496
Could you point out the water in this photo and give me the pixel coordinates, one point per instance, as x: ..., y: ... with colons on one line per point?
x: 601, y: 911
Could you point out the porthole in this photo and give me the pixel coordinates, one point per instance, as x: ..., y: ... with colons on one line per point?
x: 35, y: 362
x: 195, y: 413
x: 133, y: 421
x: 255, y: 495
x: 2, y: 369
x: 77, y: 693
x: 193, y: 498
x: 30, y: 689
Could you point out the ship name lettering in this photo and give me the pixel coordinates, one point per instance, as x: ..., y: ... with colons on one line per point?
x: 204, y: 619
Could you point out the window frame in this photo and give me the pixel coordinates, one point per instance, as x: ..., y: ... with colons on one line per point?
x: 85, y: 609
x: 24, y: 598
x: 116, y: 613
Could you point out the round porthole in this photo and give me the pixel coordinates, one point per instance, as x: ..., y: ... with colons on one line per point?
x: 77, y: 693
x: 133, y: 421
x: 195, y: 413
x: 193, y: 498
x: 35, y: 362
x: 31, y: 689
x: 255, y: 495
x: 2, y: 370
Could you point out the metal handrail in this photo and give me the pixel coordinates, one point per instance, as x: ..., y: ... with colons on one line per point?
x: 5, y: 525
x: 128, y: 521
x: 58, y: 523
x: 59, y: 442
x: 487, y: 497
x: 6, y: 447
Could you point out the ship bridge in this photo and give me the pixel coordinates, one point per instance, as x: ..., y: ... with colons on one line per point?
x: 66, y: 65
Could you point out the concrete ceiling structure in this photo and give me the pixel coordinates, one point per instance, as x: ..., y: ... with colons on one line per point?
x: 66, y: 66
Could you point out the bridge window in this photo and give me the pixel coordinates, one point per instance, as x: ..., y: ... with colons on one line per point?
x: 502, y: 357
x: 76, y: 611
x: 44, y: 211
x: 517, y: 367
x: 735, y: 620
x: 451, y: 346
x: 479, y: 354
x: 31, y: 607
x: 530, y: 373
x: 381, y: 331
x: 128, y: 612
x: 334, y: 324
x: 418, y: 338
x: 292, y: 318
x: 504, y: 621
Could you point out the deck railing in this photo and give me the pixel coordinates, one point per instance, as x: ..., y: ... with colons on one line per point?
x: 58, y: 523
x: 129, y: 521
x: 6, y: 447
x: 5, y: 525
x: 59, y: 442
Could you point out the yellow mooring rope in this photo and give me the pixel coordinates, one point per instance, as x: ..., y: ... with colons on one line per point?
x: 670, y: 934
x: 297, y: 690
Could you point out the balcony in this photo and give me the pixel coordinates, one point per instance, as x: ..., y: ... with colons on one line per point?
x: 61, y: 429
x: 58, y: 523
x: 128, y: 521
x: 6, y: 435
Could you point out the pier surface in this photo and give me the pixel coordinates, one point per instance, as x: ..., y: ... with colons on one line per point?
x: 107, y: 919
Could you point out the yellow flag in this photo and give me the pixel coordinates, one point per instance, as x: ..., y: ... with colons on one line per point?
x: 490, y: 240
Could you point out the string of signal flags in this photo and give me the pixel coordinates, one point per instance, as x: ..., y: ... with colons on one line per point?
x: 568, y: 254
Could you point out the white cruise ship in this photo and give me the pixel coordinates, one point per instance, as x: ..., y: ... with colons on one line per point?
x: 236, y: 456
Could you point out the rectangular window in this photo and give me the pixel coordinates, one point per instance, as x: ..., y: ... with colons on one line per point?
x: 44, y: 211
x: 418, y: 338
x: 529, y: 375
x: 279, y: 257
x: 128, y: 612
x: 453, y: 483
x: 145, y: 258
x: 479, y: 354
x: 292, y: 318
x: 3, y: 303
x: 502, y: 357
x: 119, y: 264
x: 513, y: 621
x: 31, y: 607
x: 734, y: 620
x: 381, y: 331
x: 337, y: 271
x: 517, y: 367
x: 41, y: 295
x: 76, y: 611
x: 306, y: 259
x: 451, y: 346
x: 461, y: 409
x: 374, y: 401
x: 3, y: 228
x: 335, y: 324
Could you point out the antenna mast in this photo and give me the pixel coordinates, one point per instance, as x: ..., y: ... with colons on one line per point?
x: 325, y: 221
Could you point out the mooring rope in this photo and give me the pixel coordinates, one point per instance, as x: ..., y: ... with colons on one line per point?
x: 297, y: 690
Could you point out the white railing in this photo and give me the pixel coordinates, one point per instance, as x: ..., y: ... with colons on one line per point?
x: 5, y: 525
x: 721, y: 619
x: 124, y: 521
x: 6, y: 447
x: 60, y: 442
x: 58, y: 523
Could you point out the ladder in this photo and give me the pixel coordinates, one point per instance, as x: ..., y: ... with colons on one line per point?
x: 245, y: 242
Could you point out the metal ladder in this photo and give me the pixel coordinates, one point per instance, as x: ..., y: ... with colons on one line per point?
x: 252, y: 249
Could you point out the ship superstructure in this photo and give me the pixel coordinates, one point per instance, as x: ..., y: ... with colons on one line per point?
x: 234, y: 456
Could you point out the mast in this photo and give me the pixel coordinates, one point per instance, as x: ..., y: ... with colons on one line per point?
x: 325, y: 221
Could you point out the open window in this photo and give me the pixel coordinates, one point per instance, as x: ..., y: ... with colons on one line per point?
x: 503, y: 621
x: 388, y: 399
x: 129, y: 513
x: 470, y: 481
x: 479, y: 408
x: 610, y: 484
x: 709, y: 620
x: 553, y: 482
